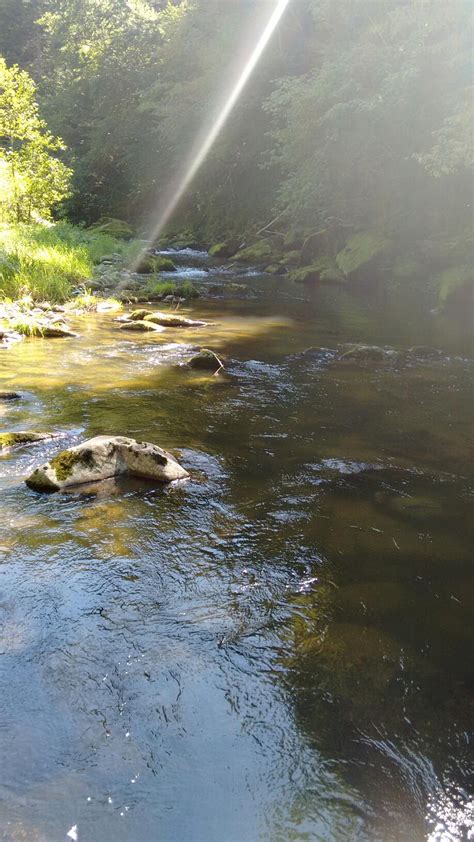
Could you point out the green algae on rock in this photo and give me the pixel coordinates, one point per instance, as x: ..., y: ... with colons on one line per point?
x: 23, y: 437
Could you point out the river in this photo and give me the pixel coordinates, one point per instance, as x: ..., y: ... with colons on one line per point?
x: 278, y: 649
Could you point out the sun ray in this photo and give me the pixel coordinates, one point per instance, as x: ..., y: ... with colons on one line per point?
x: 181, y: 183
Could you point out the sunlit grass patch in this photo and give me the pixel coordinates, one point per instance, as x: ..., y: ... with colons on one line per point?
x: 49, y: 261
x: 38, y: 262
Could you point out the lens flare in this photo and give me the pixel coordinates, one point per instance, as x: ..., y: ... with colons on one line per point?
x: 197, y: 158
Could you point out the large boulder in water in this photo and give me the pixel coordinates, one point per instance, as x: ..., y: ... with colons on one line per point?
x: 104, y: 457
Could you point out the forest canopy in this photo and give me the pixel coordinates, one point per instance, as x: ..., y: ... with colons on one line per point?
x: 359, y: 115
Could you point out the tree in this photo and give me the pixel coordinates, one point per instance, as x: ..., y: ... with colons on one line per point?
x: 33, y: 179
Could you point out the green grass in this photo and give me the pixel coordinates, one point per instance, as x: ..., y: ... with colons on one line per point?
x: 48, y: 261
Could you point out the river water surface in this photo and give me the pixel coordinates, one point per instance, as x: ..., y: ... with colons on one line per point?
x: 277, y: 649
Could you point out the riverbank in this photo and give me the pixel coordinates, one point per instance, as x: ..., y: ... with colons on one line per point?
x: 59, y: 263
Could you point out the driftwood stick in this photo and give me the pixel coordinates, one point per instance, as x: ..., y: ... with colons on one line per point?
x: 265, y: 227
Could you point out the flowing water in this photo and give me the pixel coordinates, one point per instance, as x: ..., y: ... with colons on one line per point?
x: 277, y: 649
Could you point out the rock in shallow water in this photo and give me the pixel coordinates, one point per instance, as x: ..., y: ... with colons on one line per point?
x: 172, y: 320
x: 19, y: 437
x: 141, y: 325
x: 9, y: 396
x: 104, y: 457
x: 206, y: 360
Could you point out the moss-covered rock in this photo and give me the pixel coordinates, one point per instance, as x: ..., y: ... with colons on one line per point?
x: 20, y: 437
x: 275, y: 269
x: 206, y: 360
x: 456, y: 287
x: 153, y: 263
x: 360, y: 251
x: 290, y: 259
x: 225, y: 249
x: 59, y: 331
x: 323, y: 270
x: 139, y: 315
x: 114, y: 227
x: 258, y: 253
x: 172, y: 320
x: 141, y: 326
x: 104, y: 457
x: 63, y: 464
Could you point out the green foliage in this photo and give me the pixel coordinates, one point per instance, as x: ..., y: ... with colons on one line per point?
x: 32, y: 179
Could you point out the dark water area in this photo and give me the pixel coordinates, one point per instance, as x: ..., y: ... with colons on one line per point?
x: 278, y: 649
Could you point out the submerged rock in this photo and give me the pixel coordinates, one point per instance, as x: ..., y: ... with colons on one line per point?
x: 369, y: 353
x: 172, y: 320
x: 206, y: 360
x: 415, y: 508
x: 8, y: 440
x: 104, y: 457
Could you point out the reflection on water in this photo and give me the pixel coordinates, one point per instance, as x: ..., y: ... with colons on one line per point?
x: 277, y: 649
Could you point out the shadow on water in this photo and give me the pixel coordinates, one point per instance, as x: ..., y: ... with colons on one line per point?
x: 275, y: 649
